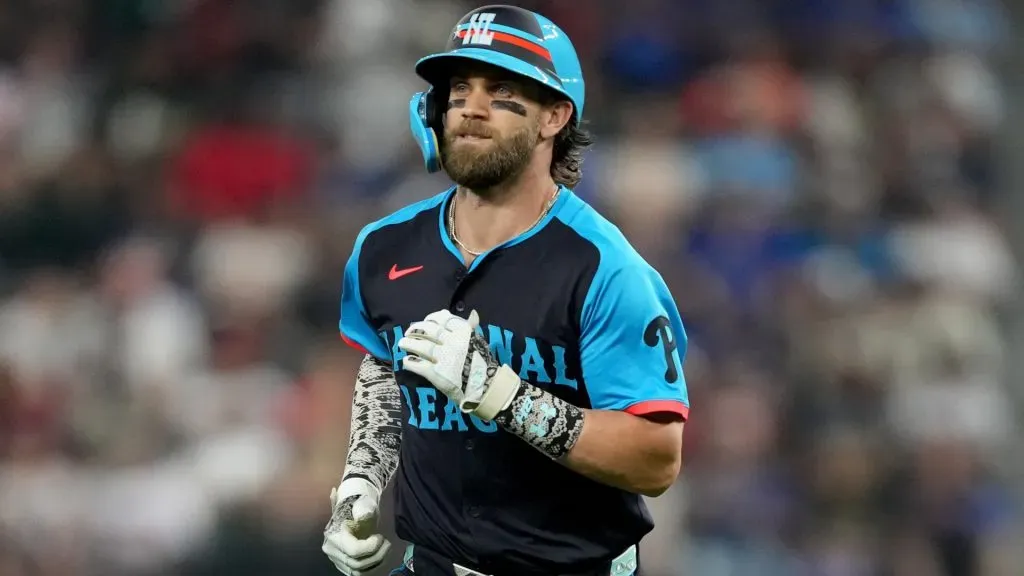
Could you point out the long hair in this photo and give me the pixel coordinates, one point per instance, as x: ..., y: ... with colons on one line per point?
x: 567, y: 155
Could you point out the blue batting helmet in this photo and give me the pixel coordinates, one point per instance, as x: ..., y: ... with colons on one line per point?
x: 508, y: 37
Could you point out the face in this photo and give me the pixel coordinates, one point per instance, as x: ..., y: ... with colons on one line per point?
x: 493, y: 126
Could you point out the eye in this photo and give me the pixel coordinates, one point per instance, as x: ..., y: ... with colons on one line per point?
x: 459, y: 87
x: 503, y: 91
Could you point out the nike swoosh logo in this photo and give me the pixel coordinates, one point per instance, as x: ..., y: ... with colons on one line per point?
x: 395, y: 273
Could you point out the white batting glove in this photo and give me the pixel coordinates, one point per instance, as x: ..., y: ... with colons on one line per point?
x: 445, y: 350
x: 351, y: 540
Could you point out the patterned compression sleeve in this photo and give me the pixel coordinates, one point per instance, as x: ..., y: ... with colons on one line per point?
x: 376, y: 429
x: 543, y: 420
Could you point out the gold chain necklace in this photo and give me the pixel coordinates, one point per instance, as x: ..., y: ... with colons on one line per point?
x: 455, y: 238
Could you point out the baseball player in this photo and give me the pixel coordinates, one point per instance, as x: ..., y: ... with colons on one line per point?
x: 523, y: 382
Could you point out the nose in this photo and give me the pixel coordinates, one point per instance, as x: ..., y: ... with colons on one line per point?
x: 477, y: 104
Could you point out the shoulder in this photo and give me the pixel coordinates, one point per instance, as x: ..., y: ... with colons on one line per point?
x: 403, y: 215
x: 395, y: 225
x: 615, y: 255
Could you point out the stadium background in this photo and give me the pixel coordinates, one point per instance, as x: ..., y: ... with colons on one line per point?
x: 829, y: 187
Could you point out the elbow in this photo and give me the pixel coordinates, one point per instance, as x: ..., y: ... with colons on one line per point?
x: 664, y: 463
x: 661, y: 477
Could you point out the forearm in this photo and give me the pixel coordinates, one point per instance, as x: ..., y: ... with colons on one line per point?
x: 376, y: 429
x: 614, y: 448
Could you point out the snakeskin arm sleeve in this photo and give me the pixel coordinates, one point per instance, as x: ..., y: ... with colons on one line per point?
x: 543, y: 420
x: 376, y: 429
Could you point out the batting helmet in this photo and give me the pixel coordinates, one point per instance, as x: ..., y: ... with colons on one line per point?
x: 508, y: 37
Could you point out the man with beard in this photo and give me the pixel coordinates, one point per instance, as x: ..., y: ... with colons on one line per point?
x: 523, y: 375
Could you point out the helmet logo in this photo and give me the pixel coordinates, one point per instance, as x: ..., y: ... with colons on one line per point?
x: 479, y: 32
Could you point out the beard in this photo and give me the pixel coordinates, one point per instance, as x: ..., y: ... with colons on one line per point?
x: 484, y: 165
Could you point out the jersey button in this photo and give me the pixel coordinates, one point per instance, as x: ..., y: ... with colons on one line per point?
x: 460, y: 306
x: 469, y: 445
x: 474, y: 511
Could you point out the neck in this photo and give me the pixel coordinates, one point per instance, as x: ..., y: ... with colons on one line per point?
x: 485, y: 220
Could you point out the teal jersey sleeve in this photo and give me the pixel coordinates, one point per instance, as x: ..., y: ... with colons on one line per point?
x: 354, y: 325
x: 632, y: 343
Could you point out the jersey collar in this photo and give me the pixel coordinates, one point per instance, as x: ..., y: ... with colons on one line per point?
x: 442, y: 223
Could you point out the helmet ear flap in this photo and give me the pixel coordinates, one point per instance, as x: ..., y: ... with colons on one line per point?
x: 437, y: 106
x: 426, y: 120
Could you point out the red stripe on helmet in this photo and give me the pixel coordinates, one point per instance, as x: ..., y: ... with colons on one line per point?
x: 515, y: 41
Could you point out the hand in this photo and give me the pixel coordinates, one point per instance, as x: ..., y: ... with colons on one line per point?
x: 351, y: 540
x: 447, y: 351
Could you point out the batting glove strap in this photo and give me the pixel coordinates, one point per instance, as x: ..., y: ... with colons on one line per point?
x: 543, y: 420
x: 354, y: 487
x: 354, y: 506
x: 501, y: 389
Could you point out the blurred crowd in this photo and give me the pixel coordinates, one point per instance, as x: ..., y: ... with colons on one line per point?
x: 181, y: 183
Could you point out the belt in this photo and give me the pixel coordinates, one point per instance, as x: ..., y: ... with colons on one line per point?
x: 623, y: 565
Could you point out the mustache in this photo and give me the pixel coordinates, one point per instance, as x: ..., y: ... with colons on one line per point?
x: 473, y: 129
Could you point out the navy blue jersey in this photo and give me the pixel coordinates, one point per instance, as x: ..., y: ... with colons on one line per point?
x: 573, y: 309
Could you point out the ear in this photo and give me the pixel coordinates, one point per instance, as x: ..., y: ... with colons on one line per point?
x: 554, y: 117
